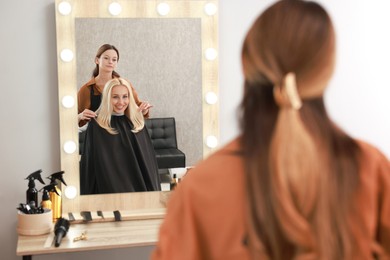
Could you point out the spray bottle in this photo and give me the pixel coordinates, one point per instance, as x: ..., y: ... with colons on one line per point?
x: 46, y: 202
x: 55, y: 196
x: 32, y: 192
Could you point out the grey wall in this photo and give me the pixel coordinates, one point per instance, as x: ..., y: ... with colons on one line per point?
x: 357, y: 98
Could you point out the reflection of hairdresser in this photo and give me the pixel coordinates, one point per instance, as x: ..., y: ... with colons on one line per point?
x: 118, y: 152
x: 293, y: 185
x: 89, y: 95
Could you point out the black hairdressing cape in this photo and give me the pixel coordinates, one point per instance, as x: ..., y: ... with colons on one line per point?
x: 122, y: 162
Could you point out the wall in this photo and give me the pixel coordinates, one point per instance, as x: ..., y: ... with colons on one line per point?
x: 357, y: 97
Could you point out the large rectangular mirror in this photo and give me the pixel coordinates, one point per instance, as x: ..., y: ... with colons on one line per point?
x: 167, y: 50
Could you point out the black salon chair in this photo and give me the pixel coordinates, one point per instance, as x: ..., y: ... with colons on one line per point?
x: 163, y: 134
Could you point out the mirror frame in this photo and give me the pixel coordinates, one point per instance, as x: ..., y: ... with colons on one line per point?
x: 65, y: 30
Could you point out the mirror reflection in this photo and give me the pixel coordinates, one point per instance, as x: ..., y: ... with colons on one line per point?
x: 118, y: 153
x: 163, y: 59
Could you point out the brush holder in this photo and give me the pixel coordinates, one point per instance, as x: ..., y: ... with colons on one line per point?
x: 35, y: 224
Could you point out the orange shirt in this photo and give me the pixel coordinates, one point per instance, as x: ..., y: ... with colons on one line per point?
x: 206, y: 213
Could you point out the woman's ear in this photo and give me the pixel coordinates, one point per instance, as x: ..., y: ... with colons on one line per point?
x: 97, y: 60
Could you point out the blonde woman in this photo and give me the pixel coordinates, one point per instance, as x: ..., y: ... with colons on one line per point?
x: 118, y: 152
x: 293, y: 185
x: 89, y: 95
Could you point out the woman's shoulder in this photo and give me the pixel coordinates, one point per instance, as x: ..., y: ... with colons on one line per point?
x: 224, y: 164
x: 372, y: 158
x: 371, y: 150
x: 88, y: 84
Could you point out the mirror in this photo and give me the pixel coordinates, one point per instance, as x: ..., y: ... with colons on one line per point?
x: 76, y: 15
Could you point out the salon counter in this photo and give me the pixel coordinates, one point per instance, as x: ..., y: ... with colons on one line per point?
x: 102, y: 235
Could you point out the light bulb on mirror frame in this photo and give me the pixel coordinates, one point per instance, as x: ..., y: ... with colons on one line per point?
x: 163, y: 9
x: 70, y: 192
x: 211, y: 141
x: 211, y: 98
x: 210, y: 54
x: 70, y: 147
x: 210, y: 9
x: 68, y: 101
x: 66, y: 55
x: 64, y: 8
x: 115, y: 8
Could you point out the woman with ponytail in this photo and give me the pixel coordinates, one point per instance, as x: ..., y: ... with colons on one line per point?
x: 293, y: 185
x: 118, y: 152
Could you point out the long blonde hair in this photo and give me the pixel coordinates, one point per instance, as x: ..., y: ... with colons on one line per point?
x: 105, y: 110
x: 301, y: 170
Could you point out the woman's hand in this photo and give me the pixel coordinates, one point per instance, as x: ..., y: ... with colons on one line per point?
x: 144, y: 107
x: 86, y: 115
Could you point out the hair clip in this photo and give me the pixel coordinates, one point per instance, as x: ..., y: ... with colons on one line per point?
x: 287, y: 94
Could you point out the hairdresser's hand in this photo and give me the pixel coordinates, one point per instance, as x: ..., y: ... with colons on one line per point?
x: 144, y: 107
x: 86, y: 115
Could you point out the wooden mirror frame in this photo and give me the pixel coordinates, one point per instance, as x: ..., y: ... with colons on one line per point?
x: 65, y: 26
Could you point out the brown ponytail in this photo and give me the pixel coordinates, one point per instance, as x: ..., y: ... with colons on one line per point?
x: 301, y: 170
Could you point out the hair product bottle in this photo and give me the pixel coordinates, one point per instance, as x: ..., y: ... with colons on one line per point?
x: 46, y: 202
x: 55, y: 194
x: 32, y: 192
x: 174, y: 182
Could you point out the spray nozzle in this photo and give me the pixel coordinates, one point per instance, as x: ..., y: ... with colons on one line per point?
x: 34, y: 176
x: 50, y: 187
x: 57, y: 176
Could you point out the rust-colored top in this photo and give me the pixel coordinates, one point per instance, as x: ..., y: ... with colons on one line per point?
x: 84, y: 97
x: 206, y: 213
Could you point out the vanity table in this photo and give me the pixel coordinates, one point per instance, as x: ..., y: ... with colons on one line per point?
x: 100, y: 235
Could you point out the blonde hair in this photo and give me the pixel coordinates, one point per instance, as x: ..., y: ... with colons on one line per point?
x: 105, y: 110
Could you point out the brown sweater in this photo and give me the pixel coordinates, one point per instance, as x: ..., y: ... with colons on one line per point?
x: 206, y: 213
x: 84, y: 97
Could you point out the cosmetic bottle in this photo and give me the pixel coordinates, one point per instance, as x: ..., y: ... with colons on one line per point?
x: 55, y: 194
x: 174, y: 182
x: 32, y: 192
x: 46, y: 202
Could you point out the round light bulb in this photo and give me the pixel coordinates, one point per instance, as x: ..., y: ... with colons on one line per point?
x: 163, y: 8
x: 211, y: 98
x: 68, y: 101
x: 115, y: 8
x: 64, y: 8
x: 211, y: 141
x: 210, y: 9
x: 70, y: 192
x: 66, y: 55
x: 211, y: 54
x: 69, y: 147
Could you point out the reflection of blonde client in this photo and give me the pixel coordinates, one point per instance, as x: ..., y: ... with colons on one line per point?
x: 119, y: 156
x: 89, y: 95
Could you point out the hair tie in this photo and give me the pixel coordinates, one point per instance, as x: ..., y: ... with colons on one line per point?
x: 287, y: 94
